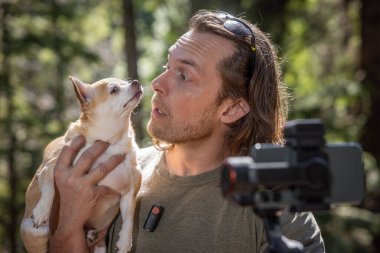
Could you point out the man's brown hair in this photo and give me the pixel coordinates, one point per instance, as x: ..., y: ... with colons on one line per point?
x: 264, y: 91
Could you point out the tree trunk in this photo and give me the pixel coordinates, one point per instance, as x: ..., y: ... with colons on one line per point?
x: 370, y: 62
x: 58, y: 90
x: 131, y: 55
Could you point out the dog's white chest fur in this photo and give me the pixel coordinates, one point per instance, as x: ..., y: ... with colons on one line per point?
x: 117, y: 178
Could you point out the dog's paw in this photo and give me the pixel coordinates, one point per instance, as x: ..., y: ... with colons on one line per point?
x: 40, y: 216
x: 91, y: 236
x: 124, y: 246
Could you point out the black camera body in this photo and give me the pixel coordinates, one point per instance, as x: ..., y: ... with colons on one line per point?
x: 304, y: 175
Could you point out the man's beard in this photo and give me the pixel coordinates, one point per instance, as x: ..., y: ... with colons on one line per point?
x: 182, y: 132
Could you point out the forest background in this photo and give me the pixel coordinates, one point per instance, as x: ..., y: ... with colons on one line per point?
x: 330, y: 52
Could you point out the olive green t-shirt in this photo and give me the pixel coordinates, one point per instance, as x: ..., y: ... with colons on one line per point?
x: 197, y: 218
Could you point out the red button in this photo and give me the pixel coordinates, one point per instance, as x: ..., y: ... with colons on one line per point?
x: 155, y: 210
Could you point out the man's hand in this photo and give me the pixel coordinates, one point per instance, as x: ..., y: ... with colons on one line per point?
x: 78, y: 192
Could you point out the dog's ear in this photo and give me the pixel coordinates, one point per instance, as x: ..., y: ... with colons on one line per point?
x: 82, y: 91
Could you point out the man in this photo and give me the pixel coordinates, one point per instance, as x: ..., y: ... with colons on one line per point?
x: 220, y: 93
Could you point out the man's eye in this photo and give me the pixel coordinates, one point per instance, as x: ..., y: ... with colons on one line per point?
x: 182, y: 76
x: 115, y: 90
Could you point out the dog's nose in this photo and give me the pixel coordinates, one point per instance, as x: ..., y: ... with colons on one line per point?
x: 135, y: 83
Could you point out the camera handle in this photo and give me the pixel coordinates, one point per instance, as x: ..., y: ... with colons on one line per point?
x: 278, y: 242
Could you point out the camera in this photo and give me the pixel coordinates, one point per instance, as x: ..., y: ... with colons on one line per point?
x: 305, y: 174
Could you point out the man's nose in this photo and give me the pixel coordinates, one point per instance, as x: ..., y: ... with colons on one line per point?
x: 158, y: 84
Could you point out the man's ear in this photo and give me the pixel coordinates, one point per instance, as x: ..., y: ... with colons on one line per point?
x: 234, y: 110
x: 82, y: 91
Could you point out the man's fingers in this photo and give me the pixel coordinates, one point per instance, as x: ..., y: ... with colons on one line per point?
x: 89, y: 156
x: 69, y: 151
x: 102, y: 169
x: 102, y: 190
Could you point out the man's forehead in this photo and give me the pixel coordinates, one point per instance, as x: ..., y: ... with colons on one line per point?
x: 189, y: 61
x: 201, y: 44
x: 175, y: 45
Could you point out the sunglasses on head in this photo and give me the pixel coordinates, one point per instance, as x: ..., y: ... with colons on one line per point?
x: 240, y: 29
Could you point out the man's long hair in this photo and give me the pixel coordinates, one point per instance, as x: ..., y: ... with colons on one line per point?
x: 264, y: 90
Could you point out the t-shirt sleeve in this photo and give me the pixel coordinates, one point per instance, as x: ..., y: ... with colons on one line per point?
x: 301, y: 227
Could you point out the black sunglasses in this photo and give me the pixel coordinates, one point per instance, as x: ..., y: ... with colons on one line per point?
x: 239, y: 28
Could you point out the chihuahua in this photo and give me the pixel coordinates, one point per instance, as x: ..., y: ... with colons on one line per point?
x: 106, y: 108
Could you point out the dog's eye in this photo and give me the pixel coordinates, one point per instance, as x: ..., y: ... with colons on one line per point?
x: 115, y: 90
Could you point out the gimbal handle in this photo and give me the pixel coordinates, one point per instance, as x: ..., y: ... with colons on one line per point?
x: 278, y: 242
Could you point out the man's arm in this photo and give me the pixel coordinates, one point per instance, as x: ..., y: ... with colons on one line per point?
x: 301, y: 227
x: 304, y: 228
x: 78, y: 192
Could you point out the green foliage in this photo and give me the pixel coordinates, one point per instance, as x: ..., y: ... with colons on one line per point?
x: 38, y: 45
x: 321, y: 66
x: 48, y: 40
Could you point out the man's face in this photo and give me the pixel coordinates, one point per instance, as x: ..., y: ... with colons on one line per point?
x: 184, y: 104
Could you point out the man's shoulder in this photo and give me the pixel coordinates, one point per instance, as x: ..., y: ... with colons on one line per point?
x: 148, y: 155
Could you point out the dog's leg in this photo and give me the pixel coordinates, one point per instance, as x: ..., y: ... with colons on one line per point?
x: 35, y: 240
x: 100, y: 248
x: 127, y: 209
x: 41, y: 212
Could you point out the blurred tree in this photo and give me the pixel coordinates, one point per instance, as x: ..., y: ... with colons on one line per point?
x: 130, y: 38
x: 38, y: 36
x: 131, y: 54
x: 370, y: 62
x: 9, y: 147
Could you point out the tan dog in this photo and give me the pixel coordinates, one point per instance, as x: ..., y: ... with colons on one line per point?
x: 106, y: 108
